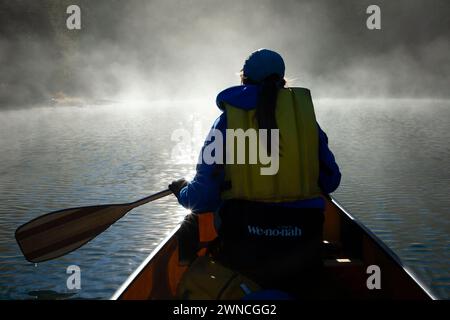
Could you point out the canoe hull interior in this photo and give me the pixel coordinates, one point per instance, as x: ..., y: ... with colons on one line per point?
x: 349, y: 251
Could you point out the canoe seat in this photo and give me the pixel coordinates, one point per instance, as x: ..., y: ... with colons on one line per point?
x: 343, y: 263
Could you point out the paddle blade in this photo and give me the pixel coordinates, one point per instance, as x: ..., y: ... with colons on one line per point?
x: 58, y: 233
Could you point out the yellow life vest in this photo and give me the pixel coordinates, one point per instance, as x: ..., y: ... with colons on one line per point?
x: 298, y: 173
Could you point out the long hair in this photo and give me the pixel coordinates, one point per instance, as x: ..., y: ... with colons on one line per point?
x: 267, y: 102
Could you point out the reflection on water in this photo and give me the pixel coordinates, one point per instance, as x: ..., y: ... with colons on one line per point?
x: 50, y: 295
x: 393, y: 156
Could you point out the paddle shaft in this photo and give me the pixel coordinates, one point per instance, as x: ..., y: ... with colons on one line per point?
x: 150, y: 198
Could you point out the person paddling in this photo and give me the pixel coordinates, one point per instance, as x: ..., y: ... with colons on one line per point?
x: 269, y: 225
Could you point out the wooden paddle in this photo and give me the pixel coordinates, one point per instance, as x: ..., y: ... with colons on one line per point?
x: 57, y: 233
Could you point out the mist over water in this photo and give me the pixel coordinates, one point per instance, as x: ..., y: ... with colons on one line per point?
x: 107, y: 98
x: 184, y: 49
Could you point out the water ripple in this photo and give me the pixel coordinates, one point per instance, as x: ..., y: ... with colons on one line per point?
x: 393, y: 159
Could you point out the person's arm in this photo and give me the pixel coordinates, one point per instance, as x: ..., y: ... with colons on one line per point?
x: 329, y: 175
x: 202, y: 194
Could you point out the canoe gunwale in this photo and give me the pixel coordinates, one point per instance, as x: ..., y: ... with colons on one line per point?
x: 386, y: 249
x: 144, y: 263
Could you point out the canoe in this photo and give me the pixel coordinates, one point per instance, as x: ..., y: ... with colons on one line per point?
x: 350, y: 253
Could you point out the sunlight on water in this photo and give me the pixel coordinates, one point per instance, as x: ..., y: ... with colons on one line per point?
x: 393, y: 156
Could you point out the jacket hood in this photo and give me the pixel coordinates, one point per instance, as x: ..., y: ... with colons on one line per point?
x: 243, y: 97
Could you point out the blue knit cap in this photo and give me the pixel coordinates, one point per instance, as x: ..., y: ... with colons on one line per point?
x: 262, y: 63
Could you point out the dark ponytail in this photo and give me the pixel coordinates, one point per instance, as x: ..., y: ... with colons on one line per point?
x: 267, y: 102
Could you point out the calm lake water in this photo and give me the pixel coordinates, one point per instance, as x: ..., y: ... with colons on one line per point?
x: 393, y: 154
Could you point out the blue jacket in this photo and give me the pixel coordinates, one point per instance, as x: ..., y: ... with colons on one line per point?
x: 202, y: 194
